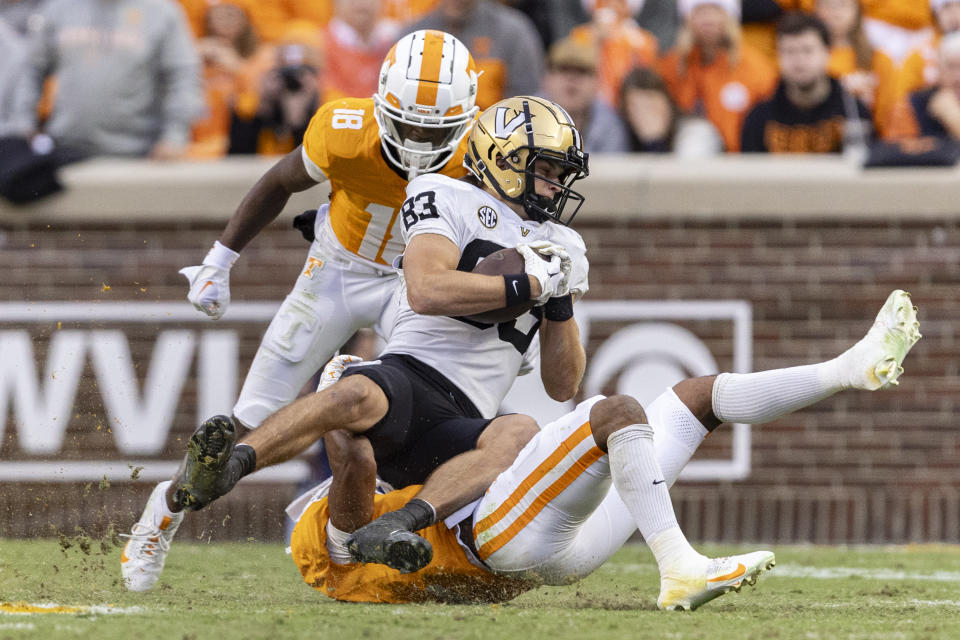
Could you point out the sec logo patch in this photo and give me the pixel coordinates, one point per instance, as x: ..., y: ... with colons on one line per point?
x: 488, y: 217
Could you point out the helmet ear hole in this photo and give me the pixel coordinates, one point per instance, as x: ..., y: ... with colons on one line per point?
x: 501, y: 162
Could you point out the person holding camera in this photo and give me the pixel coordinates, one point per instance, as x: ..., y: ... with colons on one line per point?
x: 289, y: 95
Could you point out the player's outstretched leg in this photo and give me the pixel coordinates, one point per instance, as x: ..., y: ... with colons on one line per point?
x: 390, y: 539
x: 876, y: 361
x: 141, y: 562
x: 688, y: 590
x: 203, y: 476
x: 209, y: 470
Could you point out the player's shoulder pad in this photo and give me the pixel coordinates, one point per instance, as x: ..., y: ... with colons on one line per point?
x: 568, y: 238
x: 434, y: 182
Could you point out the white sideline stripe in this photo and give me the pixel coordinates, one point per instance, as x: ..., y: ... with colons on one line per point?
x: 839, y: 573
x: 821, y: 573
x: 82, y: 610
x: 23, y: 626
x: 936, y: 603
x: 153, y: 471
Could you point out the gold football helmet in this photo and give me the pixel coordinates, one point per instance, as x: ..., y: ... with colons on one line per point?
x: 510, y: 137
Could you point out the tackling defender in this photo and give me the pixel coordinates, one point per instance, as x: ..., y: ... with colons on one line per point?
x: 433, y: 396
x: 368, y: 148
x: 553, y: 518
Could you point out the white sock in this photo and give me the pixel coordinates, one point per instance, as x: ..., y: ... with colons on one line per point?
x: 643, y: 489
x: 337, y: 545
x: 676, y: 434
x: 160, y: 508
x: 675, y: 557
x: 766, y: 395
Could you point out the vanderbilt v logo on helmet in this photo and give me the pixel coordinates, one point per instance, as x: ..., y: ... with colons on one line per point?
x: 507, y: 142
x: 502, y: 128
x: 425, y: 101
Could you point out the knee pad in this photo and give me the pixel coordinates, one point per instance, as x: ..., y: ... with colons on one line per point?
x: 667, y: 411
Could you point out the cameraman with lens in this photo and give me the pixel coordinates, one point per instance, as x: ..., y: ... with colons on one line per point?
x: 289, y: 96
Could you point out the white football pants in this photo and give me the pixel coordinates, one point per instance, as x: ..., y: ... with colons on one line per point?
x: 332, y: 298
x: 554, y: 517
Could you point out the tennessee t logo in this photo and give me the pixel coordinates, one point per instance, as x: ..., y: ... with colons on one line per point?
x: 312, y: 263
x: 502, y: 128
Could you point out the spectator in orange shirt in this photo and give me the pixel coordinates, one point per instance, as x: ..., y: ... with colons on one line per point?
x: 357, y: 39
x: 711, y: 73
x: 621, y: 43
x: 935, y: 111
x: 851, y: 56
x: 866, y: 72
x: 289, y: 94
x: 229, y: 49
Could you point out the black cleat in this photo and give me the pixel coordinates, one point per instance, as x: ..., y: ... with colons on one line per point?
x: 200, y: 479
x: 382, y: 542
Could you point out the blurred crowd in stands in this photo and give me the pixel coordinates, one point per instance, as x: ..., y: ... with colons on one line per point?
x: 207, y: 78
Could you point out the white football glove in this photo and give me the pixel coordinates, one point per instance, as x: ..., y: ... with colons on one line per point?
x: 210, y: 281
x: 552, y: 273
x: 566, y: 264
x: 334, y: 369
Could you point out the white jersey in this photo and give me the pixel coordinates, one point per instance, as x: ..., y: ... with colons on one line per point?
x: 483, y: 360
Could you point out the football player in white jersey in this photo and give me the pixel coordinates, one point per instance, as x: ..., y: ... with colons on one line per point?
x: 434, y: 393
x: 367, y: 149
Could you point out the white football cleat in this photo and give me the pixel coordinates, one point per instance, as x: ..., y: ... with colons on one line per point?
x: 141, y: 562
x: 875, y: 362
x: 721, y: 576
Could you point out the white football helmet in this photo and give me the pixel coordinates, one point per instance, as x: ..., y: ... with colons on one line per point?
x: 426, y: 100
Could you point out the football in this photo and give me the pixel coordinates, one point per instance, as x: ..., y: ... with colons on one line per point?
x: 501, y: 263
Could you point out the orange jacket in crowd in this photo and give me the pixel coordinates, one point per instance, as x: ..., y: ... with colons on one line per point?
x: 628, y: 46
x: 843, y: 61
x: 921, y: 68
x: 906, y: 14
x: 723, y: 93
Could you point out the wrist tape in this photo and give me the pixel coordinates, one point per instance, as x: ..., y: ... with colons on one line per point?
x: 220, y: 255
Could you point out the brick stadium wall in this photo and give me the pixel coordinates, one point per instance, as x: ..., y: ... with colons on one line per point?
x: 858, y: 467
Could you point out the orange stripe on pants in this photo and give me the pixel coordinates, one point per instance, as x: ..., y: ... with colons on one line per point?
x: 568, y: 445
x: 551, y: 492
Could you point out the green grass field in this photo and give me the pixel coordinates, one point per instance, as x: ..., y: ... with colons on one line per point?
x: 238, y: 591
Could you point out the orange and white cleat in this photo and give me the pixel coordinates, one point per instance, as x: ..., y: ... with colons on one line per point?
x: 722, y: 575
x: 141, y: 562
